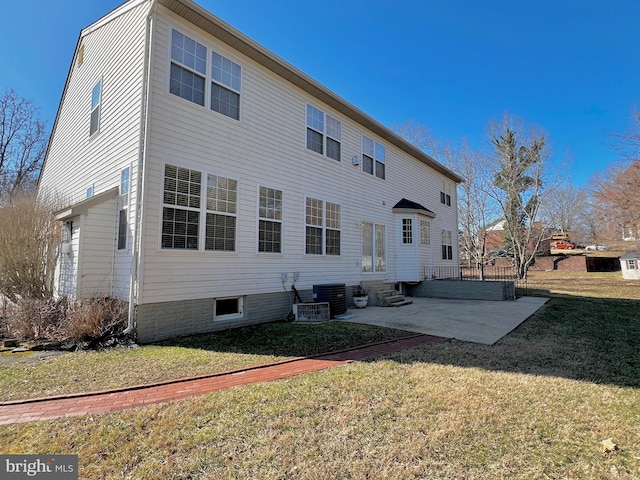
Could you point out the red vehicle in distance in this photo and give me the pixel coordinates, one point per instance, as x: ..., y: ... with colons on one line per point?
x: 563, y: 245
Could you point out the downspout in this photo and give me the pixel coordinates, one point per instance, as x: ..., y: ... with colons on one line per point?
x: 144, y: 136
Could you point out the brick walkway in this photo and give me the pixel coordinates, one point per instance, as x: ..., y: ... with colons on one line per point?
x: 121, y: 399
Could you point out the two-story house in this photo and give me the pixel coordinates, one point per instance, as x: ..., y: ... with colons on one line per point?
x: 205, y: 176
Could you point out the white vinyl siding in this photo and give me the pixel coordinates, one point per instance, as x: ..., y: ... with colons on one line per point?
x: 267, y: 149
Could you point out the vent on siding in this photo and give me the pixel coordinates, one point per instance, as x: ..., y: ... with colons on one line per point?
x: 335, y: 294
x: 80, y: 58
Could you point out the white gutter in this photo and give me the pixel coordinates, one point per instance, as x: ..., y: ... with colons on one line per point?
x: 144, y: 137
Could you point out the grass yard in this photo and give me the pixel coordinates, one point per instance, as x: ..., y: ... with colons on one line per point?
x: 536, y: 405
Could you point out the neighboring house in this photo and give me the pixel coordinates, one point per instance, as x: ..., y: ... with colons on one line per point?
x: 206, y: 176
x: 630, y: 265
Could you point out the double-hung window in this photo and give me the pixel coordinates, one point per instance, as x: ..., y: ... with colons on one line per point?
x: 194, y: 66
x: 96, y: 99
x: 425, y: 232
x: 373, y: 157
x: 222, y: 195
x: 445, y: 194
x: 181, y: 208
x: 631, y: 265
x: 123, y: 220
x: 322, y: 222
x: 447, y: 245
x: 225, y: 86
x: 374, y: 252
x: 270, y: 220
x: 188, y: 68
x: 324, y: 133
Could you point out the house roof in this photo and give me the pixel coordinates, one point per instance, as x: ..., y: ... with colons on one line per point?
x: 633, y: 254
x: 407, y: 206
x: 82, y: 207
x: 216, y: 27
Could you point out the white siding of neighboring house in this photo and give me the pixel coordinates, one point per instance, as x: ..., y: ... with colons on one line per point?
x: 113, y: 51
x: 630, y: 273
x: 267, y: 147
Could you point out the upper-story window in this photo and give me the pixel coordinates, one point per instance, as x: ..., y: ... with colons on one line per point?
x: 447, y: 245
x: 324, y: 133
x: 225, y: 86
x: 373, y: 157
x: 194, y: 66
x: 96, y: 98
x: 188, y: 68
x: 445, y: 193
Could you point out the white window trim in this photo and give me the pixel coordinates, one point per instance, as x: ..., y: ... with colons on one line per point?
x: 98, y: 107
x: 230, y: 316
x: 446, y: 192
x: 202, y: 211
x: 281, y: 221
x: 373, y: 258
x: 324, y: 133
x: 124, y: 205
x: 374, y: 158
x: 323, y: 227
x: 208, y: 77
x: 424, y: 222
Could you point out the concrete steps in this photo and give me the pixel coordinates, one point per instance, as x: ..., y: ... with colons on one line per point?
x: 383, y: 295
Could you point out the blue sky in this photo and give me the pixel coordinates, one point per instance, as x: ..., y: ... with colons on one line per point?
x: 571, y: 67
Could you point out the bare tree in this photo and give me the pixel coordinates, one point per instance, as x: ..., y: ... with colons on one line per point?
x: 28, y: 245
x: 594, y: 221
x: 521, y: 158
x: 618, y: 192
x: 476, y: 209
x: 563, y: 208
x: 23, y: 143
x: 628, y: 142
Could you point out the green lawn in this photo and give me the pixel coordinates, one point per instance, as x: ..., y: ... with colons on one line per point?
x: 536, y: 405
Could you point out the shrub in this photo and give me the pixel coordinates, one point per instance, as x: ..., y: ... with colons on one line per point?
x: 61, y: 320
x: 28, y: 240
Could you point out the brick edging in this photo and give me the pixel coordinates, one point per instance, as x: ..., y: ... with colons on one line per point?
x: 205, y: 376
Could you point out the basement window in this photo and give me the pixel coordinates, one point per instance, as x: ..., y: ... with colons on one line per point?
x: 228, y: 308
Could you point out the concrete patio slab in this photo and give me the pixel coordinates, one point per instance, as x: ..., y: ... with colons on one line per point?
x: 477, y: 321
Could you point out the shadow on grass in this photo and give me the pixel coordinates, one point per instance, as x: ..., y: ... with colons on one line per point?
x: 589, y: 339
x: 288, y: 339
